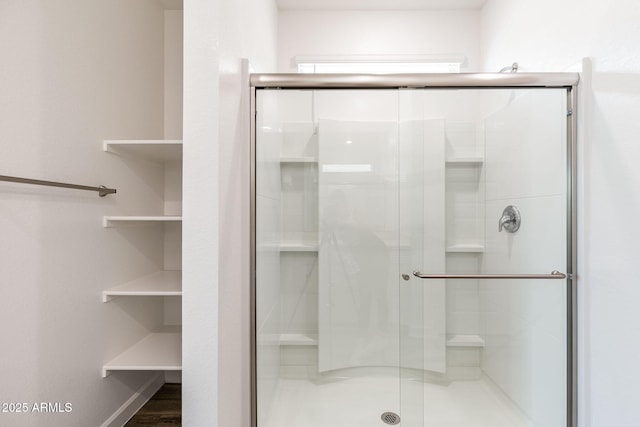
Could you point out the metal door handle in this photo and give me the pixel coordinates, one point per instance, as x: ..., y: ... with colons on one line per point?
x: 555, y: 274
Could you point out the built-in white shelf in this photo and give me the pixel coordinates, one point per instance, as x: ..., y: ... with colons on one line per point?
x: 465, y: 161
x: 160, y: 283
x: 465, y: 341
x: 159, y: 351
x: 302, y: 159
x: 299, y: 246
x: 160, y: 150
x: 298, y: 242
x: 112, y: 221
x: 465, y: 248
x: 299, y: 339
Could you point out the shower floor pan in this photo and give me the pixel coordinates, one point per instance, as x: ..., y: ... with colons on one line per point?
x: 359, y: 402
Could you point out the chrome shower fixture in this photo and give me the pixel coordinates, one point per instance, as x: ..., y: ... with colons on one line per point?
x: 512, y: 69
x: 510, y: 219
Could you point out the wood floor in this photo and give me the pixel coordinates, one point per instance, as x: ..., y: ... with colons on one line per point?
x: 164, y: 409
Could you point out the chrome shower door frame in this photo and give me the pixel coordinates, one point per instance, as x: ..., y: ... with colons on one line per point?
x: 567, y: 81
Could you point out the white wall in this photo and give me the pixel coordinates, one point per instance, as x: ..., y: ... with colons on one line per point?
x: 216, y: 196
x: 413, y: 32
x: 173, y: 42
x: 512, y: 31
x: 607, y: 32
x: 72, y: 75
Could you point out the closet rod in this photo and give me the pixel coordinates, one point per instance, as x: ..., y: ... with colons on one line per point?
x: 102, y: 190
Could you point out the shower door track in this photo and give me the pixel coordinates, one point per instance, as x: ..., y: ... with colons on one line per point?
x: 416, y: 81
x: 568, y: 81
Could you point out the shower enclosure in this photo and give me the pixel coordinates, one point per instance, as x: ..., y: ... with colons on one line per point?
x: 413, y: 250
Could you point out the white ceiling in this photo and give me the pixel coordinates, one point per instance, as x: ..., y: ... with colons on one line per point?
x: 380, y: 4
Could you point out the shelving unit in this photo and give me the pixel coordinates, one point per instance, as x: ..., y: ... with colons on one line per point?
x: 161, y: 283
x: 142, y: 298
x: 465, y: 225
x: 159, y: 351
x: 464, y: 183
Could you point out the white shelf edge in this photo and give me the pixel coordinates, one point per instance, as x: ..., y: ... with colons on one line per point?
x: 298, y: 247
x: 160, y: 150
x: 299, y: 339
x: 302, y: 159
x: 108, y: 221
x: 465, y: 160
x: 159, y: 351
x: 465, y: 341
x: 160, y: 283
x: 465, y: 248
x: 107, y: 143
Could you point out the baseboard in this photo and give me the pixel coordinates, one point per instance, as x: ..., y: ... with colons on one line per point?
x: 135, y: 402
x: 173, y: 377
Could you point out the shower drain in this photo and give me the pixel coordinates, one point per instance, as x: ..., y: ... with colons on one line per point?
x: 390, y: 418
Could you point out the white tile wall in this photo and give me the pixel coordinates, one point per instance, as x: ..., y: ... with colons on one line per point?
x: 523, y: 322
x: 358, y: 273
x: 299, y: 292
x: 298, y: 138
x: 525, y: 153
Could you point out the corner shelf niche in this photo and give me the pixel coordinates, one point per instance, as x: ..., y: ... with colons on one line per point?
x: 158, y: 351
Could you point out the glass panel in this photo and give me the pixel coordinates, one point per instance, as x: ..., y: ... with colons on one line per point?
x: 523, y: 324
x: 268, y: 271
x: 356, y: 188
x: 484, y: 150
x: 328, y: 250
x: 411, y: 238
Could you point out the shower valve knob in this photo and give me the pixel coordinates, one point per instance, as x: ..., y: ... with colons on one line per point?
x: 510, y: 219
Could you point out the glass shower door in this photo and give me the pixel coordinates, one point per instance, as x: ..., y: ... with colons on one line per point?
x: 405, y: 244
x: 483, y: 229
x: 358, y: 320
x: 327, y: 263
